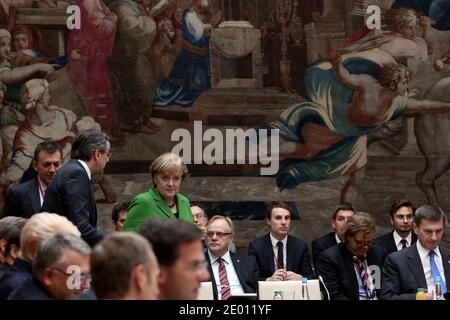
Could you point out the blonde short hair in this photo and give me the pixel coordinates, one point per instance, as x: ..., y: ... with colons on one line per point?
x: 398, y: 17
x: 168, y: 162
x: 41, y: 226
x: 226, y: 219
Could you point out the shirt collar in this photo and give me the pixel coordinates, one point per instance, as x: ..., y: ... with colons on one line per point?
x: 275, y: 241
x: 337, y: 238
x: 85, y: 166
x: 424, y: 252
x: 226, y: 257
x: 397, y: 238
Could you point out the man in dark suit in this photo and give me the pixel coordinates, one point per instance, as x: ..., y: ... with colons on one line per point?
x: 423, y: 264
x: 26, y: 199
x: 70, y: 192
x: 231, y: 273
x: 59, y: 260
x: 402, y: 218
x: 351, y: 270
x: 341, y: 214
x: 279, y: 255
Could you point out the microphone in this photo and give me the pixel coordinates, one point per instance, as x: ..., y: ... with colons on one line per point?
x: 323, y: 284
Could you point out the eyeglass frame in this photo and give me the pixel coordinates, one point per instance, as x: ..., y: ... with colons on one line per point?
x: 83, y: 276
x: 210, y: 234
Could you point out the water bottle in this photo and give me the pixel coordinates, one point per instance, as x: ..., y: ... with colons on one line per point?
x: 438, y: 291
x: 278, y: 295
x: 305, y: 292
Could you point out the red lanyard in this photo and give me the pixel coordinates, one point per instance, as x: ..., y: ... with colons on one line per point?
x: 40, y: 188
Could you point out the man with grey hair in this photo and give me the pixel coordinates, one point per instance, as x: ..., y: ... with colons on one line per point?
x: 60, y: 271
x: 421, y: 265
x: 70, y: 192
x: 10, y: 229
x: 130, y: 258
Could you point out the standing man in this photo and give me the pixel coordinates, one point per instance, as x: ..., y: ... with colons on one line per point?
x: 343, y: 211
x: 231, y: 273
x: 402, y: 218
x: 27, y: 198
x: 423, y: 264
x: 279, y: 255
x: 351, y: 270
x: 70, y: 193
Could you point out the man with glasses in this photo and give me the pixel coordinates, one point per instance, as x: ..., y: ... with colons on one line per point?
x: 26, y: 199
x: 351, y: 270
x: 70, y: 193
x: 280, y: 256
x: 231, y: 273
x: 61, y: 270
x: 422, y: 265
x: 178, y: 248
x: 402, y: 237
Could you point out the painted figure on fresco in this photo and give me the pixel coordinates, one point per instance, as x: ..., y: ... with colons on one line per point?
x: 190, y: 74
x: 6, y: 5
x: 326, y: 136
x: 88, y: 49
x: 134, y: 83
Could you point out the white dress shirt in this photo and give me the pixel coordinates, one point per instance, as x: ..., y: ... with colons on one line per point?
x: 398, y: 239
x: 338, y: 240
x: 425, y: 259
x: 233, y: 280
x: 275, y: 251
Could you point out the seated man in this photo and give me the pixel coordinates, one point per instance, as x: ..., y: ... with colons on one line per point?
x: 60, y: 270
x: 119, y: 214
x: 231, y: 273
x: 26, y: 199
x: 401, y: 217
x: 10, y: 229
x: 423, y: 264
x: 341, y: 214
x: 179, y: 250
x: 279, y: 255
x: 351, y: 270
x: 130, y: 258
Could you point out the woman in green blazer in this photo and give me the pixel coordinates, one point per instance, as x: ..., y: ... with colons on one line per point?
x: 163, y: 199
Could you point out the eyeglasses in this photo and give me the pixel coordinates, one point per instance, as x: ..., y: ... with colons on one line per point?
x: 210, y: 234
x: 83, y: 276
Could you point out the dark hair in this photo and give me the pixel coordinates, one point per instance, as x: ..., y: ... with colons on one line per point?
x: 121, y: 206
x: 48, y: 146
x: 359, y: 222
x: 166, y: 236
x: 118, y: 255
x: 398, y: 204
x: 14, y: 228
x: 87, y: 142
x: 429, y: 212
x: 277, y: 204
x: 343, y: 206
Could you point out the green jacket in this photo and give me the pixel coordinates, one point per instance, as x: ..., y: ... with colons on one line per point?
x: 151, y: 204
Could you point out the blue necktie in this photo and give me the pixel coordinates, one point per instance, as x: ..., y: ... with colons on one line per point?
x: 435, y: 272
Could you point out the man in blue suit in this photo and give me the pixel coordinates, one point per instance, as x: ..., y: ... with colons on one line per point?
x: 279, y: 255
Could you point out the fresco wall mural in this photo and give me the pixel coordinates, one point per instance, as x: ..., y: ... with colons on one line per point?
x: 141, y: 70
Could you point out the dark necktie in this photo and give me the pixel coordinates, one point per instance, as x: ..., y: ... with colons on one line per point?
x: 224, y: 284
x: 404, y: 243
x: 363, y: 274
x: 280, y: 257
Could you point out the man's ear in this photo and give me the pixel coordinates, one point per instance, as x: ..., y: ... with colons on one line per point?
x: 34, y: 165
x: 2, y: 246
x: 46, y: 278
x: 139, y: 277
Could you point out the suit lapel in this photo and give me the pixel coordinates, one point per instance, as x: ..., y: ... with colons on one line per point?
x: 350, y: 270
x: 211, y: 278
x: 239, y: 268
x: 34, y: 196
x: 446, y: 264
x: 268, y: 250
x: 290, y: 253
x: 392, y: 244
x: 161, y: 204
x: 415, y: 266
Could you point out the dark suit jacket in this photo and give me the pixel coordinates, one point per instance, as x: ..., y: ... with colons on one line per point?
x: 23, y: 200
x: 297, y: 256
x: 387, y: 241
x: 20, y: 271
x: 335, y: 265
x: 246, y: 270
x: 31, y: 289
x: 322, y: 244
x: 70, y: 194
x: 403, y: 273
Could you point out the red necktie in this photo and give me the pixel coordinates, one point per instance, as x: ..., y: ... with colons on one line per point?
x: 224, y: 284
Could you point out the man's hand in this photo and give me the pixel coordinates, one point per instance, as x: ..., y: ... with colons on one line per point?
x: 292, y: 276
x: 279, y: 275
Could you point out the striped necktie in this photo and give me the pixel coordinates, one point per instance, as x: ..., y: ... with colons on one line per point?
x: 224, y: 284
